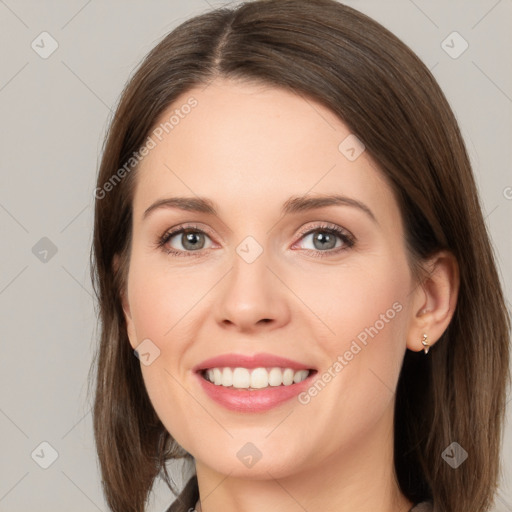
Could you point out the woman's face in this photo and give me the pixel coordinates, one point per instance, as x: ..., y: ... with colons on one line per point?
x: 268, y: 269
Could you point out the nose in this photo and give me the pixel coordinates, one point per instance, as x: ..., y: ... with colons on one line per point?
x: 252, y: 298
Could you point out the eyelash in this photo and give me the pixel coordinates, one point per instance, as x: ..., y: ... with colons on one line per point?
x: 347, y: 239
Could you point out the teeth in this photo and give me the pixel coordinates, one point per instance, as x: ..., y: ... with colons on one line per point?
x: 241, y: 378
x: 227, y: 377
x: 257, y: 378
x: 299, y: 376
x: 275, y: 377
x: 288, y: 376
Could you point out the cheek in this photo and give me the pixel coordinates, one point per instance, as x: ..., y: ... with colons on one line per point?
x: 161, y: 301
x: 165, y: 308
x: 362, y: 301
x: 365, y: 310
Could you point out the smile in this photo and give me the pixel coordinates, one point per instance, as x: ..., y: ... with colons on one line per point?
x: 255, y: 383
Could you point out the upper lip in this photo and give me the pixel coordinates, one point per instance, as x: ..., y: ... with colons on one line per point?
x: 250, y: 361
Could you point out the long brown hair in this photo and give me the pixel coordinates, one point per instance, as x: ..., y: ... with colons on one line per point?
x: 387, y: 97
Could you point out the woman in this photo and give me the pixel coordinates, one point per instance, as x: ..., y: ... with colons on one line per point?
x: 288, y: 237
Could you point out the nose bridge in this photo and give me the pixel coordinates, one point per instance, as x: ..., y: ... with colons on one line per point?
x: 251, y: 293
x: 249, y: 269
x: 249, y: 282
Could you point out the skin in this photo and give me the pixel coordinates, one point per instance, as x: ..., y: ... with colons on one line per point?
x: 249, y: 148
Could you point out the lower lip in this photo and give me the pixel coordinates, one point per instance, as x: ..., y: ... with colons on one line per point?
x: 258, y: 400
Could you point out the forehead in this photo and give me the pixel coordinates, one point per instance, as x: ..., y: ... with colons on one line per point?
x: 250, y: 144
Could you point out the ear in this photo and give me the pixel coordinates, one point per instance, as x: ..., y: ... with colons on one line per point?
x: 130, y: 327
x: 434, y: 300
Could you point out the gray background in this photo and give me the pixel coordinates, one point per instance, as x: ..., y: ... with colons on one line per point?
x: 54, y: 112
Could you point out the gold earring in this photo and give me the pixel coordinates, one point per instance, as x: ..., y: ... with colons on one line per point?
x: 425, y: 344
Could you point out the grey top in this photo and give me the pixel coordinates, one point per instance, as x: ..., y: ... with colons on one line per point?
x: 424, y: 506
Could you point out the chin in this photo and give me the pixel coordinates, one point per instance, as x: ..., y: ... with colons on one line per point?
x: 254, y: 457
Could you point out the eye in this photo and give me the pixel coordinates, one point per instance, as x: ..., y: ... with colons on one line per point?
x: 182, y: 240
x: 327, y: 238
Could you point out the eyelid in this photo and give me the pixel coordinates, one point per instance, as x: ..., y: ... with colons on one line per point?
x: 324, y: 225
x: 194, y: 226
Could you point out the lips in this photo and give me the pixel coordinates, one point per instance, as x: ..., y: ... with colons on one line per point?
x: 252, y: 383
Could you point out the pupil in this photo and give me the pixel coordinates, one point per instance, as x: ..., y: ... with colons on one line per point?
x: 191, y: 241
x: 326, y: 241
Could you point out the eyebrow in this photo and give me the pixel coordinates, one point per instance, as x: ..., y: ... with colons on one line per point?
x: 294, y: 204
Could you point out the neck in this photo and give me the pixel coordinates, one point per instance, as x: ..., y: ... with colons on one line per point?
x: 360, y: 478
